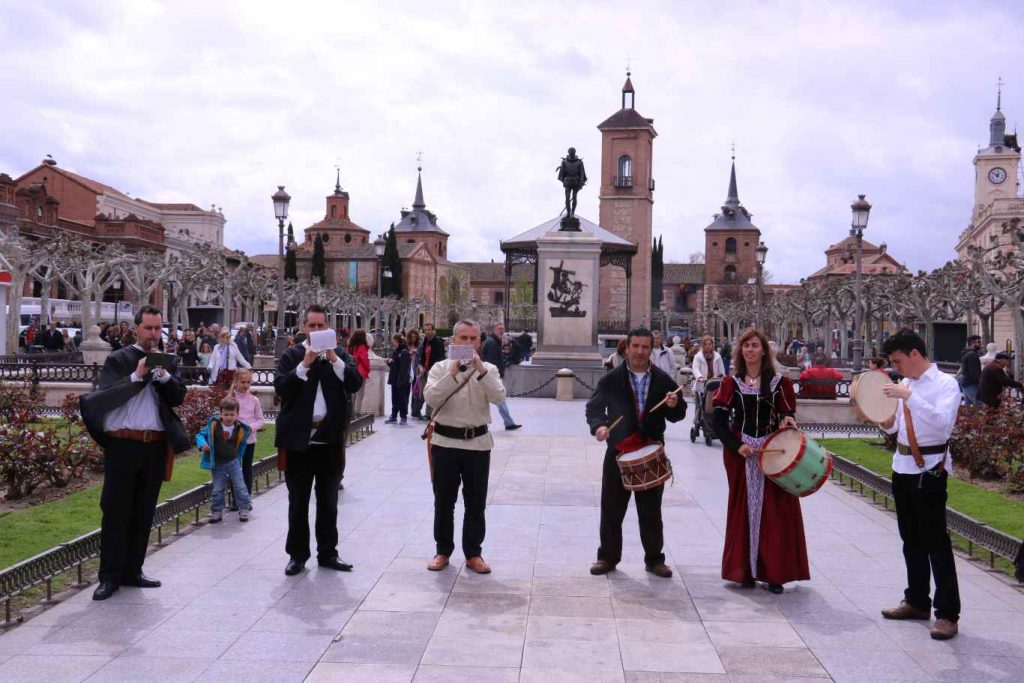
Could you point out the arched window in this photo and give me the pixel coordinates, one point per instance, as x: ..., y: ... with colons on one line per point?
x: 625, y: 174
x: 730, y: 274
x: 730, y: 246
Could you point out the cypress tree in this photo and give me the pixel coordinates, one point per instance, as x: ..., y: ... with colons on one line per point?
x: 393, y: 263
x: 319, y: 267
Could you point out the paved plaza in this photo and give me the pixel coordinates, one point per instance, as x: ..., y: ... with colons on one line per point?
x: 227, y: 612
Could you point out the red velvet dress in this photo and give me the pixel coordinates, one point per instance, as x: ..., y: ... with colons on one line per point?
x: 762, y: 516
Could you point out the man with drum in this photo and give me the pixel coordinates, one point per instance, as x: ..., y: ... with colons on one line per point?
x: 622, y: 412
x: 929, y: 401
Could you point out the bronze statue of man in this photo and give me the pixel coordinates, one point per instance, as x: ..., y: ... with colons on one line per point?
x: 573, y: 177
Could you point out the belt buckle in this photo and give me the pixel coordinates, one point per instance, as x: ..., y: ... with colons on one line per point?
x: 145, y: 435
x: 467, y: 433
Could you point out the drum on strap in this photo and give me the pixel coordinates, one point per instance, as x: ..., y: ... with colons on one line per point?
x: 795, y: 461
x: 869, y: 399
x: 645, y: 468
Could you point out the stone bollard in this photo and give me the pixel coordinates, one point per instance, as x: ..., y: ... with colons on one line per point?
x: 94, y: 349
x: 373, y: 395
x: 563, y: 384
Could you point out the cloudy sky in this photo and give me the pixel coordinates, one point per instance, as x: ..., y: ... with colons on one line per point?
x: 220, y: 102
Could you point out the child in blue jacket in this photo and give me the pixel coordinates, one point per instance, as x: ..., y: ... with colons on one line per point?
x: 223, y: 441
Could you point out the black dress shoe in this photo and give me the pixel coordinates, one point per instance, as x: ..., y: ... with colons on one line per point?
x: 512, y: 427
x: 294, y: 567
x: 141, y: 581
x: 775, y: 588
x: 104, y: 590
x: 335, y: 563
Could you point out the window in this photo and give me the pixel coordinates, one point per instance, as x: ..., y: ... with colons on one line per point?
x: 730, y: 274
x: 730, y: 246
x: 499, y: 297
x: 334, y: 211
x: 410, y: 241
x: 348, y: 238
x: 625, y: 172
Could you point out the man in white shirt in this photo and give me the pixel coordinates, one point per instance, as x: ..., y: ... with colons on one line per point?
x: 663, y: 357
x: 460, y: 394
x: 929, y: 401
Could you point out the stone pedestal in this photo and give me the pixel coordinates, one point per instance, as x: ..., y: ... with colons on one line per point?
x: 94, y: 349
x: 568, y: 270
x: 373, y: 396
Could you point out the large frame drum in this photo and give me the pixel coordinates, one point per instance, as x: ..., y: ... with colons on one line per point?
x: 795, y: 461
x: 869, y: 399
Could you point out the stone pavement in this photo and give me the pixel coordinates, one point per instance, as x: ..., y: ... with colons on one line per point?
x: 227, y: 611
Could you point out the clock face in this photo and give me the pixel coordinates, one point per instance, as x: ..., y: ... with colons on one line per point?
x: 996, y: 175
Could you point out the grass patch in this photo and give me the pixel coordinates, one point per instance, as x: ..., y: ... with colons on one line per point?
x: 990, y: 507
x: 24, y: 533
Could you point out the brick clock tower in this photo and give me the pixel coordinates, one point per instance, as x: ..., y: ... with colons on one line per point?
x: 730, y: 248
x: 626, y: 205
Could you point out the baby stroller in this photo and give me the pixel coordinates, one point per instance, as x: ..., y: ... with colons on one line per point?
x: 703, y: 414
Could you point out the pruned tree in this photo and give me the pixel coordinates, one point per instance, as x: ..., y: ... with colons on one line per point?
x: 19, y: 256
x: 142, y: 274
x: 1000, y: 269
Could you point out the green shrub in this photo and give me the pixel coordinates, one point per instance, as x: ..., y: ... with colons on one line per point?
x: 990, y: 444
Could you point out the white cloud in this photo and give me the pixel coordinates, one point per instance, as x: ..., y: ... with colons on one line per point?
x: 221, y: 102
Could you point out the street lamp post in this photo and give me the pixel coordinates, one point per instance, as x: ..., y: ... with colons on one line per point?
x: 281, y: 200
x: 762, y: 253
x: 861, y: 208
x: 172, y: 302
x: 379, y: 245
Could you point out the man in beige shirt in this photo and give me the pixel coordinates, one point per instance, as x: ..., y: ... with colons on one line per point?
x: 460, y: 394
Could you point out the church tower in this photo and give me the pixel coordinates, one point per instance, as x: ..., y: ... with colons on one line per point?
x: 730, y: 247
x: 627, y: 204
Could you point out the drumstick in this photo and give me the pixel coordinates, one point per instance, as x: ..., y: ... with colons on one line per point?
x: 662, y: 401
x: 769, y: 450
x: 615, y: 424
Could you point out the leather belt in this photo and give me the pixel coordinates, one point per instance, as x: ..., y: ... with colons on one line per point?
x: 143, y: 435
x: 317, y: 424
x: 464, y: 433
x: 925, y: 450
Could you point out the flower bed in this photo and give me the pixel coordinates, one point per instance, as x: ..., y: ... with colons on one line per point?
x: 989, y: 444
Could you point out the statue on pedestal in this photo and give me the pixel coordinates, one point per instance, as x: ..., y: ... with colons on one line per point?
x: 573, y: 177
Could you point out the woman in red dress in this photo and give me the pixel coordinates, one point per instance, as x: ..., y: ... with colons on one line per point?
x: 764, y: 533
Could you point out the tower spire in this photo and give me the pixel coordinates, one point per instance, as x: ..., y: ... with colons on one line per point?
x: 418, y: 202
x: 733, y: 198
x: 337, y: 179
x: 997, y: 124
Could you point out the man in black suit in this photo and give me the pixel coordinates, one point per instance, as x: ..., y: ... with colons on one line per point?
x: 631, y: 391
x: 130, y: 415
x: 310, y: 441
x: 53, y: 339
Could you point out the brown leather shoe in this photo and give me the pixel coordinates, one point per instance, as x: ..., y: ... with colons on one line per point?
x: 601, y: 567
x: 438, y: 563
x: 477, y: 564
x: 944, y: 629
x: 661, y: 570
x: 906, y: 611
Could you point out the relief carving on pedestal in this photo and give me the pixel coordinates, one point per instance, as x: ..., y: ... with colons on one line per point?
x: 566, y: 291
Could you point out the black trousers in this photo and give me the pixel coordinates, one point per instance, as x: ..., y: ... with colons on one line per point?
x: 614, y: 501
x: 454, y: 466
x: 400, y: 401
x: 921, y: 516
x: 318, y: 469
x: 132, y: 475
x: 250, y: 449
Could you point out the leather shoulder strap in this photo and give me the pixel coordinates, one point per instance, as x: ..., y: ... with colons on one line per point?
x: 915, y: 449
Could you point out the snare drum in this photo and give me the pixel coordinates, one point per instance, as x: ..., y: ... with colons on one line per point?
x: 645, y: 468
x: 868, y: 398
x: 795, y: 461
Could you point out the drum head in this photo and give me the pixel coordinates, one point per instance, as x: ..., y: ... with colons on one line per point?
x: 640, y: 453
x: 788, y: 442
x: 870, y: 400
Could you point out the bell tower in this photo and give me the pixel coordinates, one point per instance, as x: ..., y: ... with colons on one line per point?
x: 996, y: 166
x: 627, y: 204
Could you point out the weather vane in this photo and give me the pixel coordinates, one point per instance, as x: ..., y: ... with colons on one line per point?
x: 419, y: 159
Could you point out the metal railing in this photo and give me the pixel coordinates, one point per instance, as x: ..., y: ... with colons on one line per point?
x: 979, y: 536
x: 43, y: 357
x: 47, y: 565
x: 34, y: 373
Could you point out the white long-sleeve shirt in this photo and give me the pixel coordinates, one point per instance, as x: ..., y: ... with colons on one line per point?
x: 934, y: 404
x: 141, y: 411
x: 470, y: 407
